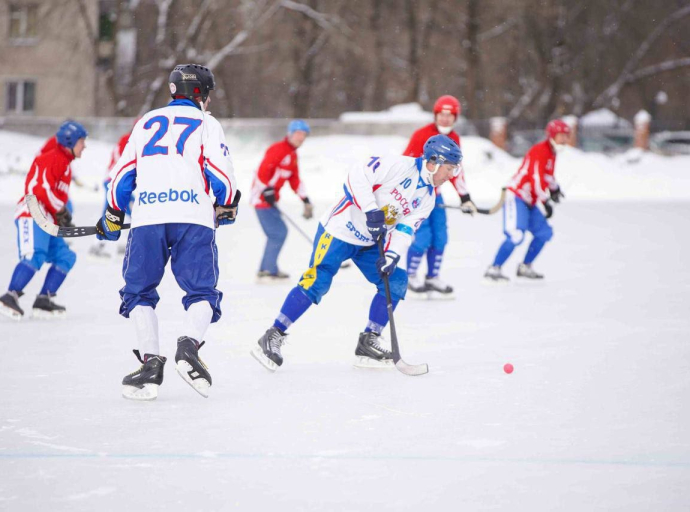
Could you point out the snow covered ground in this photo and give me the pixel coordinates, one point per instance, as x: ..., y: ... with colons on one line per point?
x: 594, y: 417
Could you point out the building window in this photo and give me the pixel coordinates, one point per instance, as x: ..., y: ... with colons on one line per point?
x: 21, y: 97
x: 23, y: 24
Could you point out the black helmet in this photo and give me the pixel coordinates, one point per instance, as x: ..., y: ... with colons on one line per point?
x: 191, y: 81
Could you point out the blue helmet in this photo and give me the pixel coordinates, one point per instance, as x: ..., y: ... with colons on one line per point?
x: 443, y: 150
x: 298, y: 124
x: 69, y: 133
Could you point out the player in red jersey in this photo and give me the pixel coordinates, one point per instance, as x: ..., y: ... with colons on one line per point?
x: 432, y: 236
x: 278, y: 167
x: 533, y: 184
x: 49, y: 180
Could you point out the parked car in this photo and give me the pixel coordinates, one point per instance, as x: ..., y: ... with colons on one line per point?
x: 670, y: 143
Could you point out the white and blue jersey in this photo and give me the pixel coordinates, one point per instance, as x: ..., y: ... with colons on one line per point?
x: 175, y: 159
x: 395, y: 184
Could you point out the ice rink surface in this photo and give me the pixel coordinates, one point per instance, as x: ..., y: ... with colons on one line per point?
x: 595, y: 416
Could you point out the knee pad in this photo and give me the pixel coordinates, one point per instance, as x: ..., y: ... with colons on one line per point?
x: 66, y: 260
x: 545, y: 234
x: 517, y: 237
x: 37, y: 260
x: 398, y: 284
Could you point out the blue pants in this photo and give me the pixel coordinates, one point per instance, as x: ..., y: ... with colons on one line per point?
x: 37, y: 247
x: 329, y: 253
x: 430, y: 238
x: 519, y: 217
x: 192, y: 249
x: 276, y: 232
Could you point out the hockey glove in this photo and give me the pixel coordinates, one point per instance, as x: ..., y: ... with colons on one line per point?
x: 227, y: 214
x: 376, y: 223
x: 64, y: 218
x: 556, y: 195
x: 386, y: 264
x: 269, y: 195
x: 548, y: 209
x: 467, y: 205
x: 308, y: 209
x: 109, y: 226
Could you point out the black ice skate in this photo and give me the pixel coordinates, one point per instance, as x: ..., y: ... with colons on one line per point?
x: 493, y: 274
x: 9, y: 305
x: 437, y: 289
x: 143, y: 383
x: 268, y: 350
x: 266, y: 277
x: 44, y: 307
x: 526, y: 271
x: 370, y: 354
x: 190, y: 367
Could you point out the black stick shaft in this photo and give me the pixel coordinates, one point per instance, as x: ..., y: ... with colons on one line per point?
x: 389, y: 305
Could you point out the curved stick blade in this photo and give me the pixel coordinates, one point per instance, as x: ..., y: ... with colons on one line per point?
x: 412, y: 370
x: 39, y: 217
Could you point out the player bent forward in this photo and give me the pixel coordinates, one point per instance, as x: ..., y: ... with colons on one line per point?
x: 386, y: 197
x: 173, y: 218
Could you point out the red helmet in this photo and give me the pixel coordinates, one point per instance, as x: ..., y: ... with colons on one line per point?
x: 555, y: 127
x: 447, y: 103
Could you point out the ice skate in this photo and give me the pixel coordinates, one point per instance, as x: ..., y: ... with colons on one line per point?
x: 437, y: 289
x: 9, y: 305
x: 45, y: 308
x: 266, y: 277
x: 143, y: 384
x: 192, y: 369
x: 417, y: 289
x: 526, y: 271
x: 370, y: 354
x: 99, y: 252
x: 267, y: 351
x: 493, y: 274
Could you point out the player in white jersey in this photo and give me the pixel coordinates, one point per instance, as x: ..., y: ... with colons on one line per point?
x: 175, y: 159
x: 385, y: 197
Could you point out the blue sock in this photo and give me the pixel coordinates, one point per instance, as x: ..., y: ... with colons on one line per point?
x: 434, y: 258
x: 534, y: 249
x: 54, y: 279
x: 414, y: 258
x: 296, y: 303
x: 378, y: 314
x: 504, y: 252
x: 21, y: 276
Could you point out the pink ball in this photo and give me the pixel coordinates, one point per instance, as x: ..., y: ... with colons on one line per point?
x: 508, y: 368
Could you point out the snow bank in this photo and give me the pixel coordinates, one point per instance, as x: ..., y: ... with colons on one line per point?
x: 326, y: 160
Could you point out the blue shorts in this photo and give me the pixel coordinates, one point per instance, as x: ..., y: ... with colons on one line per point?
x: 37, y: 247
x: 434, y: 231
x: 330, y: 252
x: 519, y: 217
x: 192, y: 249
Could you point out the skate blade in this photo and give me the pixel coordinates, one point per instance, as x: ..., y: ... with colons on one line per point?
x: 48, y: 315
x: 417, y: 295
x: 146, y: 394
x: 259, y: 355
x: 10, y: 313
x: 201, y: 385
x: 496, y: 282
x: 369, y: 363
x: 528, y: 280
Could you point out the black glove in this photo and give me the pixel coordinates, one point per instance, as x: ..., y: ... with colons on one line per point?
x: 64, y: 218
x: 109, y: 226
x: 376, y: 223
x: 467, y: 205
x: 227, y: 214
x: 549, y: 209
x: 556, y: 195
x: 308, y: 209
x: 269, y: 195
